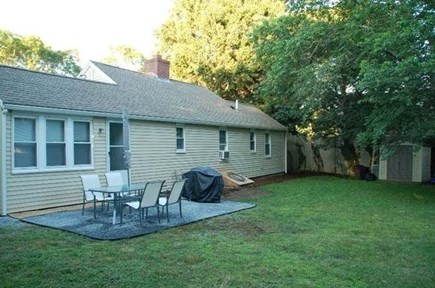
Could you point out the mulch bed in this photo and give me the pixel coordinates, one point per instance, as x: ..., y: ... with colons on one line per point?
x: 254, y: 191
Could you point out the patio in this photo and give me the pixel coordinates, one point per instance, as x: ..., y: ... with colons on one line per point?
x: 102, y: 228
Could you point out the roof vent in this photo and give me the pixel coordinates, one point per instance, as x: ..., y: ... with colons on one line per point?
x: 236, y: 106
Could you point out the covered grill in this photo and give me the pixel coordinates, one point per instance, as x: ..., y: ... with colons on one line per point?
x: 204, y: 184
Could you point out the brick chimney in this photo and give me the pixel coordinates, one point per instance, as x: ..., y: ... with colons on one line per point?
x: 157, y: 66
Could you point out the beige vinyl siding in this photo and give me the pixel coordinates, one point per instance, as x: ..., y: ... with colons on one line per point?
x: 30, y: 191
x: 154, y: 152
x: 153, y: 146
x: 100, y: 148
x: 254, y: 164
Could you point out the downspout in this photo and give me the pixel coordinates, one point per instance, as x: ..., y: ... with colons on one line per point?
x: 3, y: 112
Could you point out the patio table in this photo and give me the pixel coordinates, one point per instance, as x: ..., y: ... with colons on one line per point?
x: 120, y: 193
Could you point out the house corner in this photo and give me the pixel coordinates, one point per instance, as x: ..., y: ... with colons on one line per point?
x: 3, y: 206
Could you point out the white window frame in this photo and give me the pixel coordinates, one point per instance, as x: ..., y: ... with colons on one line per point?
x: 37, y: 142
x: 182, y: 150
x: 74, y: 143
x: 226, y: 139
x: 41, y: 137
x: 65, y: 129
x: 254, y: 140
x: 267, y: 141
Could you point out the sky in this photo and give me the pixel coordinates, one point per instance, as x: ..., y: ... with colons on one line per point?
x: 90, y: 26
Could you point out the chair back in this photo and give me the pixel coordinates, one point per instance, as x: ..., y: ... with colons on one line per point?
x: 114, y: 179
x: 176, y: 190
x: 89, y: 182
x: 151, y: 193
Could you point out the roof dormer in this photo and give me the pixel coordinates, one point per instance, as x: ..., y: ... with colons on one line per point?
x: 92, y: 72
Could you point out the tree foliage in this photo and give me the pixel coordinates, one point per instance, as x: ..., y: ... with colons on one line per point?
x: 208, y: 43
x: 397, y: 74
x: 126, y: 57
x: 31, y: 53
x: 354, y: 71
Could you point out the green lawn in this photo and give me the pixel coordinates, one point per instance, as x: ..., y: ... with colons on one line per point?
x: 311, y: 232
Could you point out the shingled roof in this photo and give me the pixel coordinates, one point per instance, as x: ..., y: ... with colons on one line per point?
x: 139, y: 95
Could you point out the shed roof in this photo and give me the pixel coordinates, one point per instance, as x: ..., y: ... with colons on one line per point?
x: 138, y: 95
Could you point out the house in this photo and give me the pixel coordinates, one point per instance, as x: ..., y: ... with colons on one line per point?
x: 55, y: 128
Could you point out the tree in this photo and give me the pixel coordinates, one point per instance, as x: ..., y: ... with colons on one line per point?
x: 31, y: 53
x: 126, y: 57
x: 342, y: 73
x: 310, y: 75
x: 208, y: 43
x: 398, y: 73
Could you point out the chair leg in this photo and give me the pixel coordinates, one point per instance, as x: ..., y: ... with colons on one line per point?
x: 120, y: 209
x: 179, y: 203
x: 158, y: 213
x: 83, y: 207
x: 95, y: 208
x: 167, y: 212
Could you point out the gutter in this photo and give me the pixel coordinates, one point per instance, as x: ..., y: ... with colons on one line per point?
x: 3, y: 186
x: 37, y: 109
x: 134, y: 117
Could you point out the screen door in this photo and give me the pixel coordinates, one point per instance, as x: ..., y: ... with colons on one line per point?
x: 116, y: 148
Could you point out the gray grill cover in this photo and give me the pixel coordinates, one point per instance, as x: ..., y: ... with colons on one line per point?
x: 204, y: 184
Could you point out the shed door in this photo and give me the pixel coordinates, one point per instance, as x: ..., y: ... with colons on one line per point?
x: 399, y: 166
x: 116, y: 148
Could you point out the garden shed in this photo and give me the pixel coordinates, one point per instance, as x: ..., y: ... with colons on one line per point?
x: 408, y: 163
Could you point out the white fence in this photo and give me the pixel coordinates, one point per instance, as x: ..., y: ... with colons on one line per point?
x: 304, y: 155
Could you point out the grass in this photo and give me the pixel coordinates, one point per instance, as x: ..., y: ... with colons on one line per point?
x: 311, y: 232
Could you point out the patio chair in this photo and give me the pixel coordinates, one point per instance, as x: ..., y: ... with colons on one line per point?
x: 174, y: 197
x: 149, y: 199
x: 115, y: 179
x: 89, y: 182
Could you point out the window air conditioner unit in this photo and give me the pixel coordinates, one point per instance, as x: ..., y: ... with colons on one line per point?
x: 224, y: 155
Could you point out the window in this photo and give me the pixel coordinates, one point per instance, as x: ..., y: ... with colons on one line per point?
x: 267, y: 145
x: 82, y: 143
x: 48, y: 143
x: 180, y: 140
x: 223, y: 140
x: 25, y: 145
x: 55, y: 143
x: 252, y: 142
